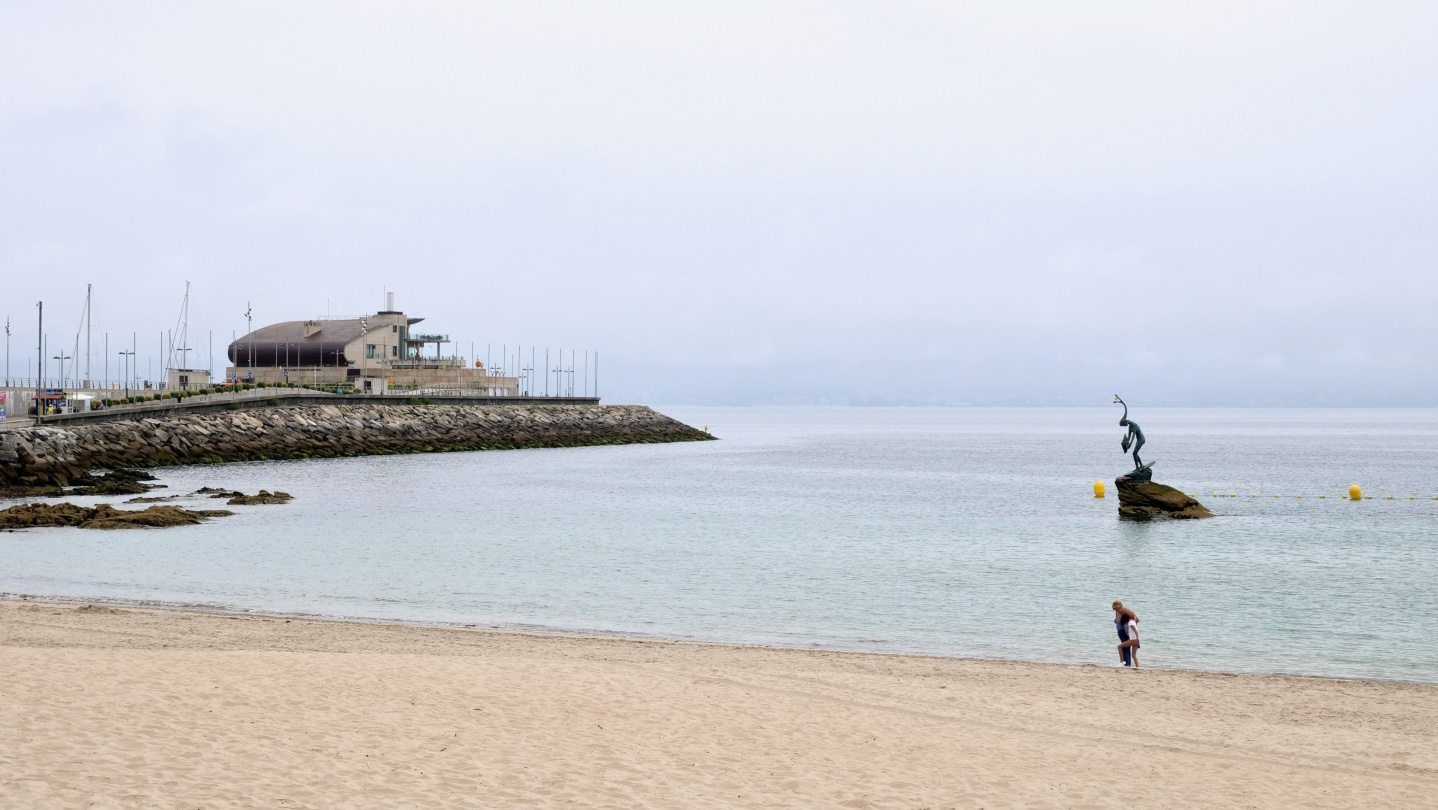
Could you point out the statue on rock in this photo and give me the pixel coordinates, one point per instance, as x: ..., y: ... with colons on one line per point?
x: 1139, y: 497
x: 1134, y: 438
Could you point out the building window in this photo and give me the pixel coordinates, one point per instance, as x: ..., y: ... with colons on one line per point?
x: 369, y: 350
x: 393, y: 328
x: 394, y: 351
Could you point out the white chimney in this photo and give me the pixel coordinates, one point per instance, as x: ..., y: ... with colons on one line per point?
x: 389, y: 302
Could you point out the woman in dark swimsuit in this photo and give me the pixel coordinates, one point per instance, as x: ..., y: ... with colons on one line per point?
x: 1121, y: 617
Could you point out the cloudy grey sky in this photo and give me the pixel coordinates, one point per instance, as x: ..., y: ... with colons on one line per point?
x: 988, y: 203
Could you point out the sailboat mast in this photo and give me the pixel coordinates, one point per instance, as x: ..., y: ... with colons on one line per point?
x: 88, y: 288
x: 185, y: 334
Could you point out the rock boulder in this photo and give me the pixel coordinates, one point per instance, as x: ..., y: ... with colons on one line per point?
x: 103, y: 516
x: 1144, y: 500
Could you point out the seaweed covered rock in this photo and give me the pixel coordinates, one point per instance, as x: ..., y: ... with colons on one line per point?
x: 103, y: 516
x: 18, y: 491
x: 108, y: 517
x: 1144, y: 500
x: 264, y: 496
x: 207, y: 492
x: 31, y: 515
x: 120, y: 481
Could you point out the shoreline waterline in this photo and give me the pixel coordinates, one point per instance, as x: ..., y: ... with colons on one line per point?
x: 538, y: 632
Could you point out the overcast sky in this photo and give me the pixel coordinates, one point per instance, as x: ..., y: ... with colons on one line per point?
x: 907, y: 203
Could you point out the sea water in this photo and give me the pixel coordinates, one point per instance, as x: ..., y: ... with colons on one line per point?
x: 969, y: 532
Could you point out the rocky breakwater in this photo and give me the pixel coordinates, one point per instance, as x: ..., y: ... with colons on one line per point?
x: 1144, y: 500
x: 61, y: 455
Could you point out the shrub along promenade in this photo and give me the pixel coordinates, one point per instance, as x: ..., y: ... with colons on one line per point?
x: 312, y: 425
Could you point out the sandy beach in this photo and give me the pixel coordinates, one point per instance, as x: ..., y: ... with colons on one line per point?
x: 151, y: 708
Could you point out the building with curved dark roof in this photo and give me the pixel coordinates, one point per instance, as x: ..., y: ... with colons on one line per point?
x: 297, y: 343
x: 376, y: 353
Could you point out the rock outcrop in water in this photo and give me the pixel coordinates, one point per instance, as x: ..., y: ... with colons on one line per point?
x: 122, y: 481
x: 115, y: 482
x: 40, y: 456
x: 264, y: 496
x: 104, y: 516
x: 1143, y: 500
x: 236, y: 498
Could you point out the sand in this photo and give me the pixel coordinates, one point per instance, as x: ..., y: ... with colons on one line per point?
x: 146, y: 708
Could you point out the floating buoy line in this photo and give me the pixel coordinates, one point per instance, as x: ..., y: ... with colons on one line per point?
x: 1355, y: 493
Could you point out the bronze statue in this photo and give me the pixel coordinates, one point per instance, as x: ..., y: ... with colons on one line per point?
x: 1133, y: 438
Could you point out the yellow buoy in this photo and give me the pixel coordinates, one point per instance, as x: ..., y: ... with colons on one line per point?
x: 1300, y: 496
x: 1320, y: 497
x: 1355, y: 492
x: 1275, y: 496
x: 1231, y: 495
x: 1098, y: 489
x: 1390, y: 497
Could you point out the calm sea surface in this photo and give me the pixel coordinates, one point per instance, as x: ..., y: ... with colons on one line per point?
x: 952, y: 531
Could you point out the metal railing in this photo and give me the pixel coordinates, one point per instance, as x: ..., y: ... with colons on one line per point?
x: 80, y: 384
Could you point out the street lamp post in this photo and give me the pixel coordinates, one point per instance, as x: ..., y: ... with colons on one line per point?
x: 249, y: 341
x: 127, y: 356
x: 364, y: 355
x: 40, y: 358
x: 62, y: 357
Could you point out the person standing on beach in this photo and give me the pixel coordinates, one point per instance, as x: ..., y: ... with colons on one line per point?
x: 1123, y: 620
x: 1128, y: 647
